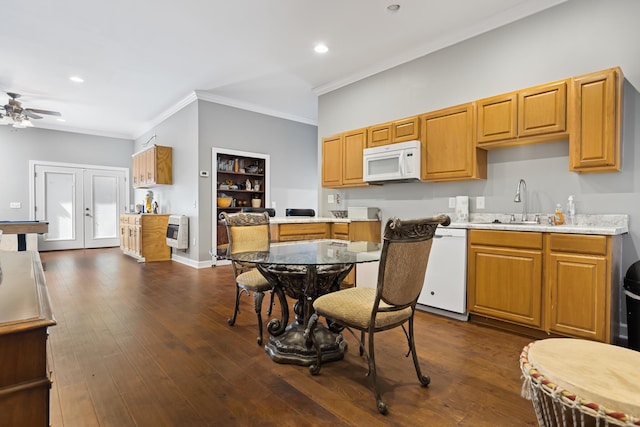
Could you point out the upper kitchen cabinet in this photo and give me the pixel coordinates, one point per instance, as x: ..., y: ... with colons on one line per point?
x: 397, y: 131
x: 595, y: 121
x: 152, y: 166
x: 449, y: 151
x: 536, y: 114
x: 342, y: 159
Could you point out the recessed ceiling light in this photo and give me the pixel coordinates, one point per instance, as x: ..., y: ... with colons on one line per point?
x: 393, y: 7
x: 321, y: 48
x: 76, y: 79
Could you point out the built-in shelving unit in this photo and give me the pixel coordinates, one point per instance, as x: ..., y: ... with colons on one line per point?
x: 243, y: 177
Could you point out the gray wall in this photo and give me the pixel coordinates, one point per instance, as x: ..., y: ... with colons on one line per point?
x: 19, y: 146
x: 576, y: 37
x: 290, y: 145
x: 196, y: 129
x: 180, y: 131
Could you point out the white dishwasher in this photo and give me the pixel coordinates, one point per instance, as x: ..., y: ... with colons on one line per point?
x: 445, y: 283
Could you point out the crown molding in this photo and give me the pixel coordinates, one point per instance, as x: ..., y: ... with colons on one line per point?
x: 148, y: 126
x: 63, y: 128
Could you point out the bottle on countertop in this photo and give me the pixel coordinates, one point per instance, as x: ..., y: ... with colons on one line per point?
x: 571, y: 211
x: 558, y: 217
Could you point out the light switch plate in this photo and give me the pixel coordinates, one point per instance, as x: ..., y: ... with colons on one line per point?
x: 480, y: 202
x: 331, y: 199
x: 15, y: 205
x: 452, y: 202
x: 204, y: 173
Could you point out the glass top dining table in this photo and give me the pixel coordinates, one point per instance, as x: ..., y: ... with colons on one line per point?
x: 304, y: 270
x: 313, y: 252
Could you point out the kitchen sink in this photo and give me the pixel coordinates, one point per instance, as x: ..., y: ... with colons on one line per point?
x: 498, y: 222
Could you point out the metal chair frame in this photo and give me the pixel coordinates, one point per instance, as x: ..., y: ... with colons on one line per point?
x: 397, y: 232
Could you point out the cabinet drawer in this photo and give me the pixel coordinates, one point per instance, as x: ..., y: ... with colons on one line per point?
x: 303, y: 231
x: 512, y: 239
x: 340, y: 229
x: 582, y: 244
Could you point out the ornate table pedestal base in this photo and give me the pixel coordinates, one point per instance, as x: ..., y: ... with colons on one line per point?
x: 290, y: 346
x: 304, y: 283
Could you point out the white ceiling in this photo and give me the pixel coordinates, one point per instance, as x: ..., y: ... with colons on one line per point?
x: 142, y: 60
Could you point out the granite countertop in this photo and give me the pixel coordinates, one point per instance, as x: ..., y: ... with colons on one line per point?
x: 309, y: 219
x: 584, y: 224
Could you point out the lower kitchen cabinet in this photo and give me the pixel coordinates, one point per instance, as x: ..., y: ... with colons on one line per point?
x: 555, y: 283
x: 579, y: 286
x: 505, y: 276
x: 300, y: 231
x: 143, y: 236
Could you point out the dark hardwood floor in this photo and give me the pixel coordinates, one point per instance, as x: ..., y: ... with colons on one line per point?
x: 149, y: 345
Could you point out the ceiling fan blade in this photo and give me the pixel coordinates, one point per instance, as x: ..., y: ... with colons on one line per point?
x: 29, y: 112
x: 35, y: 110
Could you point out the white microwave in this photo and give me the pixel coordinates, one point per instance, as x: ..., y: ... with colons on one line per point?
x: 398, y: 162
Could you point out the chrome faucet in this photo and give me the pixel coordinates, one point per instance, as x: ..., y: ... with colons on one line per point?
x: 520, y: 197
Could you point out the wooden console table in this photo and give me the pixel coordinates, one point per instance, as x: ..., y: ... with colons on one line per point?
x: 25, y: 316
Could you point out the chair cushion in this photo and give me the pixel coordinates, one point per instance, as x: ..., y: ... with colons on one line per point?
x: 253, y: 280
x: 353, y: 307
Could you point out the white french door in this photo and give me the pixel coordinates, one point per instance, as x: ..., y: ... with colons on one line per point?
x: 81, y: 204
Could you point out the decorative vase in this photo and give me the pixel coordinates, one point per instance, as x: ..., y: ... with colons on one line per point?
x: 256, y: 203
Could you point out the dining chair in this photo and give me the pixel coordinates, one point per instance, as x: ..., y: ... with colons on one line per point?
x: 403, y: 264
x: 248, y: 232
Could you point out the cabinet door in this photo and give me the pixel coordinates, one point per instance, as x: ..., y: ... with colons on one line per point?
x: 353, y: 144
x: 406, y: 129
x: 497, y: 118
x: 162, y: 165
x: 379, y: 135
x: 542, y: 109
x: 124, y: 231
x: 448, y: 150
x: 136, y: 239
x: 397, y: 131
x: 138, y: 170
x: 596, y: 112
x: 506, y: 284
x: 332, y: 161
x: 577, y: 295
x: 150, y: 166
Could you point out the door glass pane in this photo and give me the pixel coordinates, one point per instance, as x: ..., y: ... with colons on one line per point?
x: 59, y: 204
x: 105, y: 209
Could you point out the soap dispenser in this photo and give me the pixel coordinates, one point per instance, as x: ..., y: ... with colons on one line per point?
x: 571, y: 211
x: 558, y: 217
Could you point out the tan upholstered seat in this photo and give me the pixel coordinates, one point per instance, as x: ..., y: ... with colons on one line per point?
x: 249, y: 232
x: 403, y: 264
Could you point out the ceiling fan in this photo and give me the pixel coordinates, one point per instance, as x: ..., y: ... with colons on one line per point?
x: 14, y: 113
